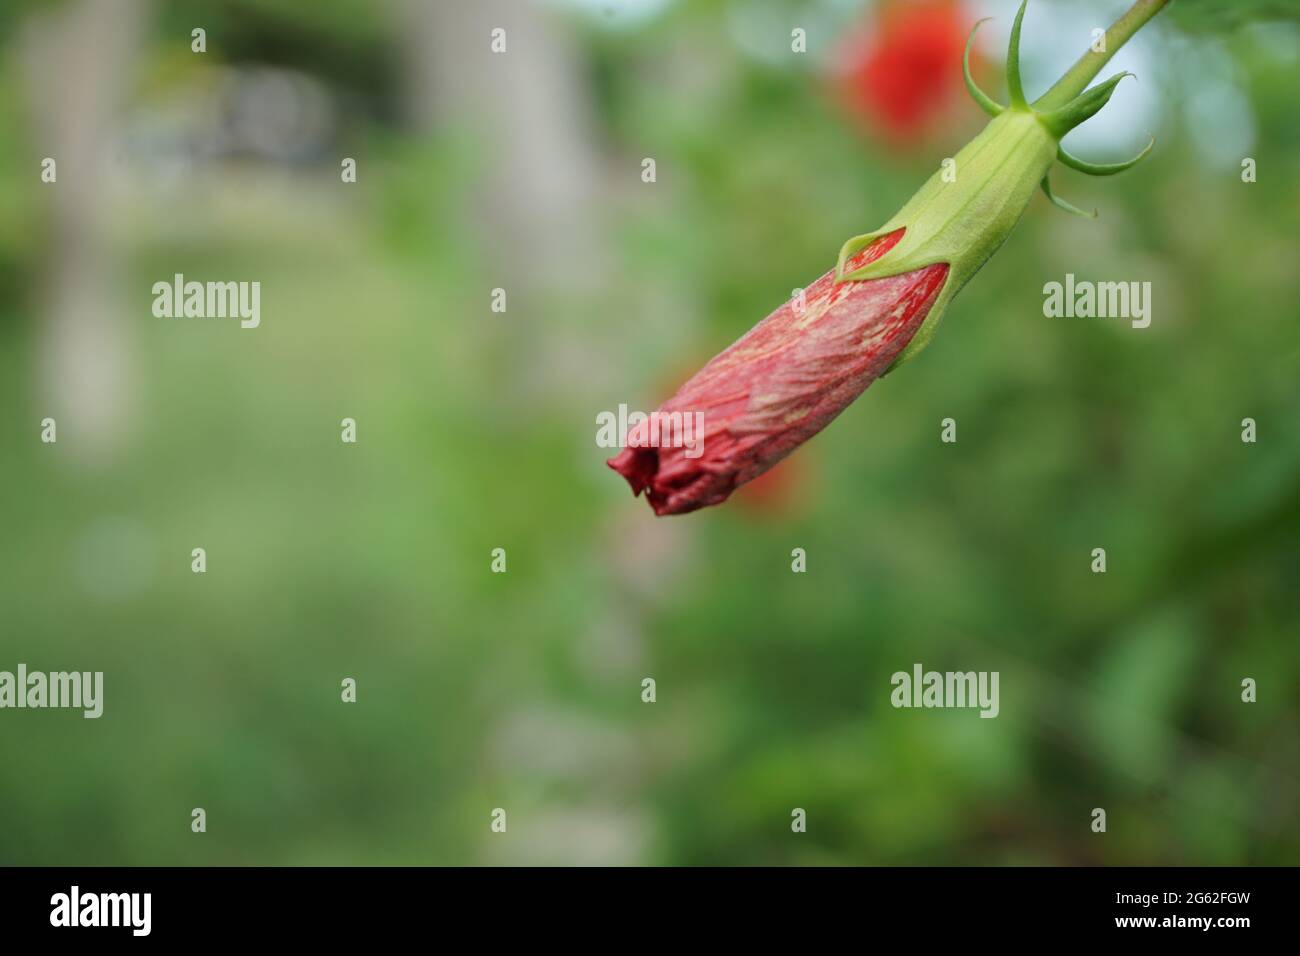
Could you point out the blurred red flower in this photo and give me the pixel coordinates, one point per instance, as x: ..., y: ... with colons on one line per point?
x: 901, y: 69
x: 780, y: 491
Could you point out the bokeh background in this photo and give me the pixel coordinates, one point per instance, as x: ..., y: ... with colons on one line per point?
x: 476, y: 431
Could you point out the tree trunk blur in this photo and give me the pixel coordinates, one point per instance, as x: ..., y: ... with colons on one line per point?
x: 539, y: 189
x: 76, y: 58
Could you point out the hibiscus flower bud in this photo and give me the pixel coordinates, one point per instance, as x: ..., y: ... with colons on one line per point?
x: 791, y: 374
x: 782, y: 383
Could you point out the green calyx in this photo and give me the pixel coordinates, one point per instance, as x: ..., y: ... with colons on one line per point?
x: 1064, y: 107
x: 963, y: 213
x: 966, y: 210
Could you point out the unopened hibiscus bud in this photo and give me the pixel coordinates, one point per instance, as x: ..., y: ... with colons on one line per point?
x: 780, y: 384
x: 790, y: 375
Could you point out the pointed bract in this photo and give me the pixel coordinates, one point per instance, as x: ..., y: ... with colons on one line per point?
x: 1064, y: 204
x: 982, y: 99
x: 1083, y: 107
x: 1102, y: 169
x: 1015, y: 89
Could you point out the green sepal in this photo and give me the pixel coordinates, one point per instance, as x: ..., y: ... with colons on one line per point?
x: 1102, y: 169
x: 963, y: 222
x: 851, y: 248
x: 1015, y: 90
x: 1067, y: 206
x: 1082, y: 107
x: 982, y: 99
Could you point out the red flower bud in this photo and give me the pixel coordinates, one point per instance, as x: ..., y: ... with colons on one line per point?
x: 791, y: 374
x: 780, y: 384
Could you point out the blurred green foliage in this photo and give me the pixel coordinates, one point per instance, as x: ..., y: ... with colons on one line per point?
x: 1217, y: 16
x: 522, y: 690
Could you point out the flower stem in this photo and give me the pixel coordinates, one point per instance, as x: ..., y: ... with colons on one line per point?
x: 1089, y: 65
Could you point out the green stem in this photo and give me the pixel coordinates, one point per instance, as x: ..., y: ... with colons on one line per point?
x: 1089, y: 65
